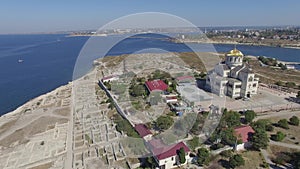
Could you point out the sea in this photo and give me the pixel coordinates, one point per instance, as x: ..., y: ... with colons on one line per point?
x: 32, y: 65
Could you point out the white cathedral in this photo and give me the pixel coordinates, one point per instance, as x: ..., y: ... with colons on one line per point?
x: 232, y: 77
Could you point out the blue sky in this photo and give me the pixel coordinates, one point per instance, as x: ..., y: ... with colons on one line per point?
x: 24, y: 16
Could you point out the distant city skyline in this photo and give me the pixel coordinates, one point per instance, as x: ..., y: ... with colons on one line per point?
x: 32, y: 16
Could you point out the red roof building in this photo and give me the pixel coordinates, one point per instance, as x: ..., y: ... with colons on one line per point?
x: 162, y: 151
x: 142, y: 130
x: 243, y: 133
x: 166, y: 156
x: 156, y: 85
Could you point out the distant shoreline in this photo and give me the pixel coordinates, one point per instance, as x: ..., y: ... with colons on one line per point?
x: 197, y: 41
x: 232, y: 43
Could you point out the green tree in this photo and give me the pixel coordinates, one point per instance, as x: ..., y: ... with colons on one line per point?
x: 283, y: 123
x: 228, y: 137
x: 294, y: 121
x: 164, y: 122
x: 169, y: 89
x: 149, y: 163
x: 269, y: 127
x: 279, y: 136
x: 279, y: 83
x: 236, y: 160
x: 137, y: 90
x: 226, y: 153
x: 260, y: 124
x: 203, y: 155
x: 249, y: 116
x: 231, y: 118
x: 181, y: 155
x: 259, y: 139
x: 290, y: 84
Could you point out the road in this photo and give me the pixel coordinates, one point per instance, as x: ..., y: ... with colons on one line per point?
x: 286, y: 113
x: 293, y: 146
x: 69, y: 142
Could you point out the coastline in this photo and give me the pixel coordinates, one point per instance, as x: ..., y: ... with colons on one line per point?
x: 34, y: 101
x: 232, y: 43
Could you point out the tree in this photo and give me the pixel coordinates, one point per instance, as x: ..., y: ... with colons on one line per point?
x: 203, y: 155
x: 269, y: 127
x: 228, y: 137
x: 259, y: 139
x: 149, y: 163
x: 137, y: 90
x: 279, y: 83
x: 283, y: 123
x: 164, y: 122
x: 260, y: 124
x: 231, y: 118
x: 294, y: 121
x: 279, y: 136
x: 181, y: 155
x: 226, y: 153
x: 290, y: 84
x: 236, y: 160
x: 169, y: 89
x: 298, y: 94
x: 249, y: 116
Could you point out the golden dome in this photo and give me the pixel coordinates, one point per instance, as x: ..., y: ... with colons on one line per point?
x: 235, y: 52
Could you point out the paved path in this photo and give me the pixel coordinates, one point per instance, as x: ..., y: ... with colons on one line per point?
x: 69, y: 142
x: 287, y: 113
x: 293, y: 146
x: 265, y: 154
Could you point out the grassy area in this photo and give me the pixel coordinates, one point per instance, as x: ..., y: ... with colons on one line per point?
x: 253, y: 159
x: 272, y: 75
x: 292, y: 134
x: 192, y: 59
x: 113, y: 60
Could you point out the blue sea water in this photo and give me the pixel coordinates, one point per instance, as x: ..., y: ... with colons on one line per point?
x: 48, y: 61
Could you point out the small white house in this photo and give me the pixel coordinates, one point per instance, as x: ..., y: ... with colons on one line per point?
x: 166, y: 156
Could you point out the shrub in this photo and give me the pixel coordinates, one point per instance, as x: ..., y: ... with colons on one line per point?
x: 269, y: 127
x: 236, y: 160
x: 283, y: 123
x: 249, y: 116
x: 294, y: 121
x: 279, y: 136
x: 226, y: 153
x: 203, y: 155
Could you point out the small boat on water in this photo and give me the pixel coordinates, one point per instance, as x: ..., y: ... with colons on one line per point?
x: 20, y: 61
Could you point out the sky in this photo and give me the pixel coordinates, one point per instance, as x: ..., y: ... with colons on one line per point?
x: 29, y: 16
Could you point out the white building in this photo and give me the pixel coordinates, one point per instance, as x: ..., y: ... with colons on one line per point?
x: 166, y: 156
x: 232, y: 77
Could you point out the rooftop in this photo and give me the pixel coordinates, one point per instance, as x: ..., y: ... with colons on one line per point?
x: 162, y: 151
x: 156, y: 85
x: 142, y: 130
x: 243, y: 132
x: 235, y: 52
